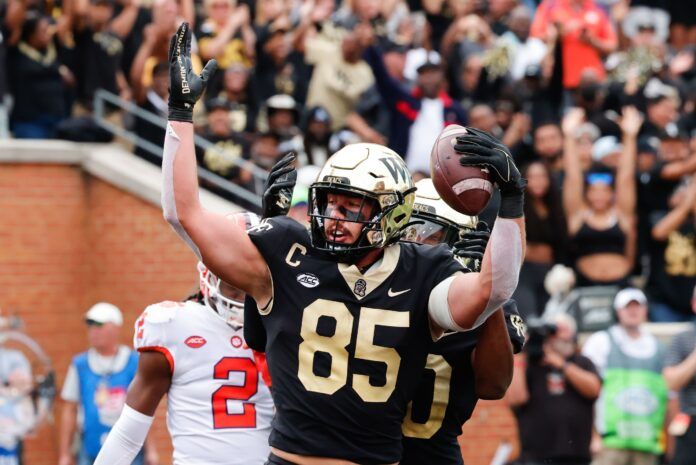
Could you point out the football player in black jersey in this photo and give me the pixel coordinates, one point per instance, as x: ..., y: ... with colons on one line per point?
x: 349, y: 313
x: 461, y: 367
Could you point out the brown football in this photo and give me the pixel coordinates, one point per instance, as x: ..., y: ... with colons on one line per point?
x: 467, y: 189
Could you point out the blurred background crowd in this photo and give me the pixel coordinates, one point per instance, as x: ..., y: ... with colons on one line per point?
x: 595, y: 98
x: 314, y: 75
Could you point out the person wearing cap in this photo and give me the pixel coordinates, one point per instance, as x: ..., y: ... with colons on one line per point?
x: 606, y: 151
x: 630, y: 412
x: 283, y: 116
x: 680, y: 375
x: 662, y: 109
x: 417, y: 116
x: 96, y: 385
x: 552, y: 394
x: 314, y: 149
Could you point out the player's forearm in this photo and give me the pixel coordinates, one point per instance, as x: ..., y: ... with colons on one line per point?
x: 678, y: 376
x: 125, y: 439
x: 180, y: 203
x: 493, y: 362
x: 473, y: 297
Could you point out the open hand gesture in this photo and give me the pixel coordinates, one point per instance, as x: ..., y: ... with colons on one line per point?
x: 185, y: 86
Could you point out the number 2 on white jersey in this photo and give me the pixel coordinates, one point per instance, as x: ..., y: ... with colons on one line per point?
x: 221, y: 416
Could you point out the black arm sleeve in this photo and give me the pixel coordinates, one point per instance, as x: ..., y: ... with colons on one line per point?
x: 254, y: 332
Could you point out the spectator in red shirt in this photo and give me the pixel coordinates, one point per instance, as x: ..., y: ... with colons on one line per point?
x: 586, y: 35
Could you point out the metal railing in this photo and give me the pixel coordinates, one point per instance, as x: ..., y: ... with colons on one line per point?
x: 103, y: 97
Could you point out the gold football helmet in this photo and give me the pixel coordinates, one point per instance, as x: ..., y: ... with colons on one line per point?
x: 379, y: 177
x: 433, y: 221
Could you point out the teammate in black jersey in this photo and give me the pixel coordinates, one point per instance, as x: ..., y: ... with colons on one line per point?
x: 349, y: 313
x: 461, y: 367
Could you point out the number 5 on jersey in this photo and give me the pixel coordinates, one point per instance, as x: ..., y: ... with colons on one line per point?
x: 335, y: 345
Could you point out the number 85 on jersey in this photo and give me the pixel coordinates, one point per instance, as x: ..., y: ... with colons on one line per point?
x: 335, y: 346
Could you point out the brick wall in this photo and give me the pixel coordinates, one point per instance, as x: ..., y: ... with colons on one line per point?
x: 68, y: 240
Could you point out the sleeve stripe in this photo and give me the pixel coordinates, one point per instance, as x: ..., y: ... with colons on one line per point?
x: 163, y: 351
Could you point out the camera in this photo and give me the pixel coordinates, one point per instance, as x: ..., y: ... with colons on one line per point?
x: 537, y: 332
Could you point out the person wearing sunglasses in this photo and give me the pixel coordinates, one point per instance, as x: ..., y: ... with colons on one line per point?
x: 600, y: 207
x: 96, y: 385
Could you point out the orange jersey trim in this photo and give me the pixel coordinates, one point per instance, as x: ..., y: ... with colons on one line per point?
x: 161, y: 350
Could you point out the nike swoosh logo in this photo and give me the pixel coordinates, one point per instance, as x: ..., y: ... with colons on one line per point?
x: 391, y: 293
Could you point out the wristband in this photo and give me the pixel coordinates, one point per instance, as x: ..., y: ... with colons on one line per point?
x: 511, y: 205
x: 179, y: 114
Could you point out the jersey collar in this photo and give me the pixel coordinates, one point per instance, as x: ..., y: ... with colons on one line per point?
x: 363, y: 284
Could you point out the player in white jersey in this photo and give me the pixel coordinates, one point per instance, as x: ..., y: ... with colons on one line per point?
x: 219, y: 405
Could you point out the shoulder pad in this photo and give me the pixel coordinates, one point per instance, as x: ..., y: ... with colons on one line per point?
x: 150, y: 329
x: 162, y: 312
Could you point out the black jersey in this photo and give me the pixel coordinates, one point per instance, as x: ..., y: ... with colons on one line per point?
x: 345, y: 349
x: 444, y: 400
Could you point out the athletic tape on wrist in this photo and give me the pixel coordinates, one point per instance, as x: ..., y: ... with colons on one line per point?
x: 171, y: 145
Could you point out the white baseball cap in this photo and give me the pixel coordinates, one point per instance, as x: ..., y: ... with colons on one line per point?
x: 104, y: 312
x: 628, y: 295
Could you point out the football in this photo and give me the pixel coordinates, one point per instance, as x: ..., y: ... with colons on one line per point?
x: 467, y: 189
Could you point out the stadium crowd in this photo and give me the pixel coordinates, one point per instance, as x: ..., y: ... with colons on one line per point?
x: 595, y: 98
x: 313, y: 76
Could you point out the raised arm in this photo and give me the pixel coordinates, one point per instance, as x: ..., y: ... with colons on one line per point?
x: 221, y: 244
x: 389, y: 88
x: 573, y: 186
x: 626, y: 171
x: 471, y: 298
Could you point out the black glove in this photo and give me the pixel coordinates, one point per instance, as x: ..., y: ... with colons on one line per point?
x: 517, y: 329
x: 277, y: 193
x: 478, y: 148
x: 185, y: 86
x: 471, y: 247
